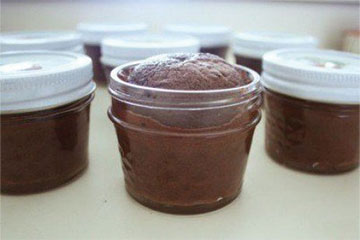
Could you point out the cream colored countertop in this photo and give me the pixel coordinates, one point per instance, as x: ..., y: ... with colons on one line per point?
x: 276, y: 203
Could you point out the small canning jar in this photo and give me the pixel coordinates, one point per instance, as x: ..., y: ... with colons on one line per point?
x: 249, y: 47
x: 214, y: 39
x: 45, y: 104
x: 312, y: 109
x: 93, y: 33
x: 118, y: 50
x: 25, y: 41
x: 184, y: 151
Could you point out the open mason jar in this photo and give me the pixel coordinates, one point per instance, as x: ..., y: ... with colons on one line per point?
x: 312, y: 109
x: 183, y: 151
x: 45, y: 104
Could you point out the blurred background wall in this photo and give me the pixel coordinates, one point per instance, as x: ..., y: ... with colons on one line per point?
x: 327, y: 21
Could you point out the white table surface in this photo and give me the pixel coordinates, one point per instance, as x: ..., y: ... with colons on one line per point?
x: 275, y: 203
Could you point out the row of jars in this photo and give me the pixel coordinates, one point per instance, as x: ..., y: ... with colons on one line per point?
x: 110, y: 45
x: 311, y: 96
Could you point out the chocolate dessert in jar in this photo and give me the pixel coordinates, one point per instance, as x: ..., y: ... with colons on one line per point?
x: 312, y: 109
x: 184, y: 123
x: 249, y: 47
x: 118, y: 50
x: 45, y: 103
x: 213, y: 39
x: 93, y: 33
x: 48, y: 40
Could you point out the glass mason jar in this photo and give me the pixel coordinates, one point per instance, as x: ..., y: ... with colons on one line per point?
x: 214, y: 39
x: 249, y: 47
x: 312, y: 109
x: 45, y: 108
x: 118, y: 50
x: 183, y: 151
x: 93, y: 33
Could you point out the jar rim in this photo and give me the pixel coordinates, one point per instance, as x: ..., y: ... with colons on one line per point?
x: 159, y: 98
x: 116, y: 82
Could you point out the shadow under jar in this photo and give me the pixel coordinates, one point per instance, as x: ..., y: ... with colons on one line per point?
x: 183, y: 151
x: 312, y: 110
x: 249, y: 47
x: 45, y: 108
x: 92, y: 35
x: 213, y: 39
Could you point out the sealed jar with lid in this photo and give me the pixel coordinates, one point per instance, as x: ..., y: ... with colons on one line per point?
x: 25, y: 41
x: 45, y: 103
x: 312, y: 102
x: 93, y: 33
x: 249, y: 47
x: 119, y: 50
x: 213, y: 39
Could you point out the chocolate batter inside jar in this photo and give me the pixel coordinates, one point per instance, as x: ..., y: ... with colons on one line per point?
x: 45, y: 104
x: 249, y: 47
x: 312, y: 109
x: 213, y: 39
x: 56, y: 41
x: 92, y: 35
x: 184, y: 124
x: 123, y: 49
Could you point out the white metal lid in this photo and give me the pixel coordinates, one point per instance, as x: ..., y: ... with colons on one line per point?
x: 93, y: 33
x: 38, y: 80
x: 208, y: 35
x: 19, y: 41
x: 116, y: 50
x: 256, y: 44
x: 312, y: 74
